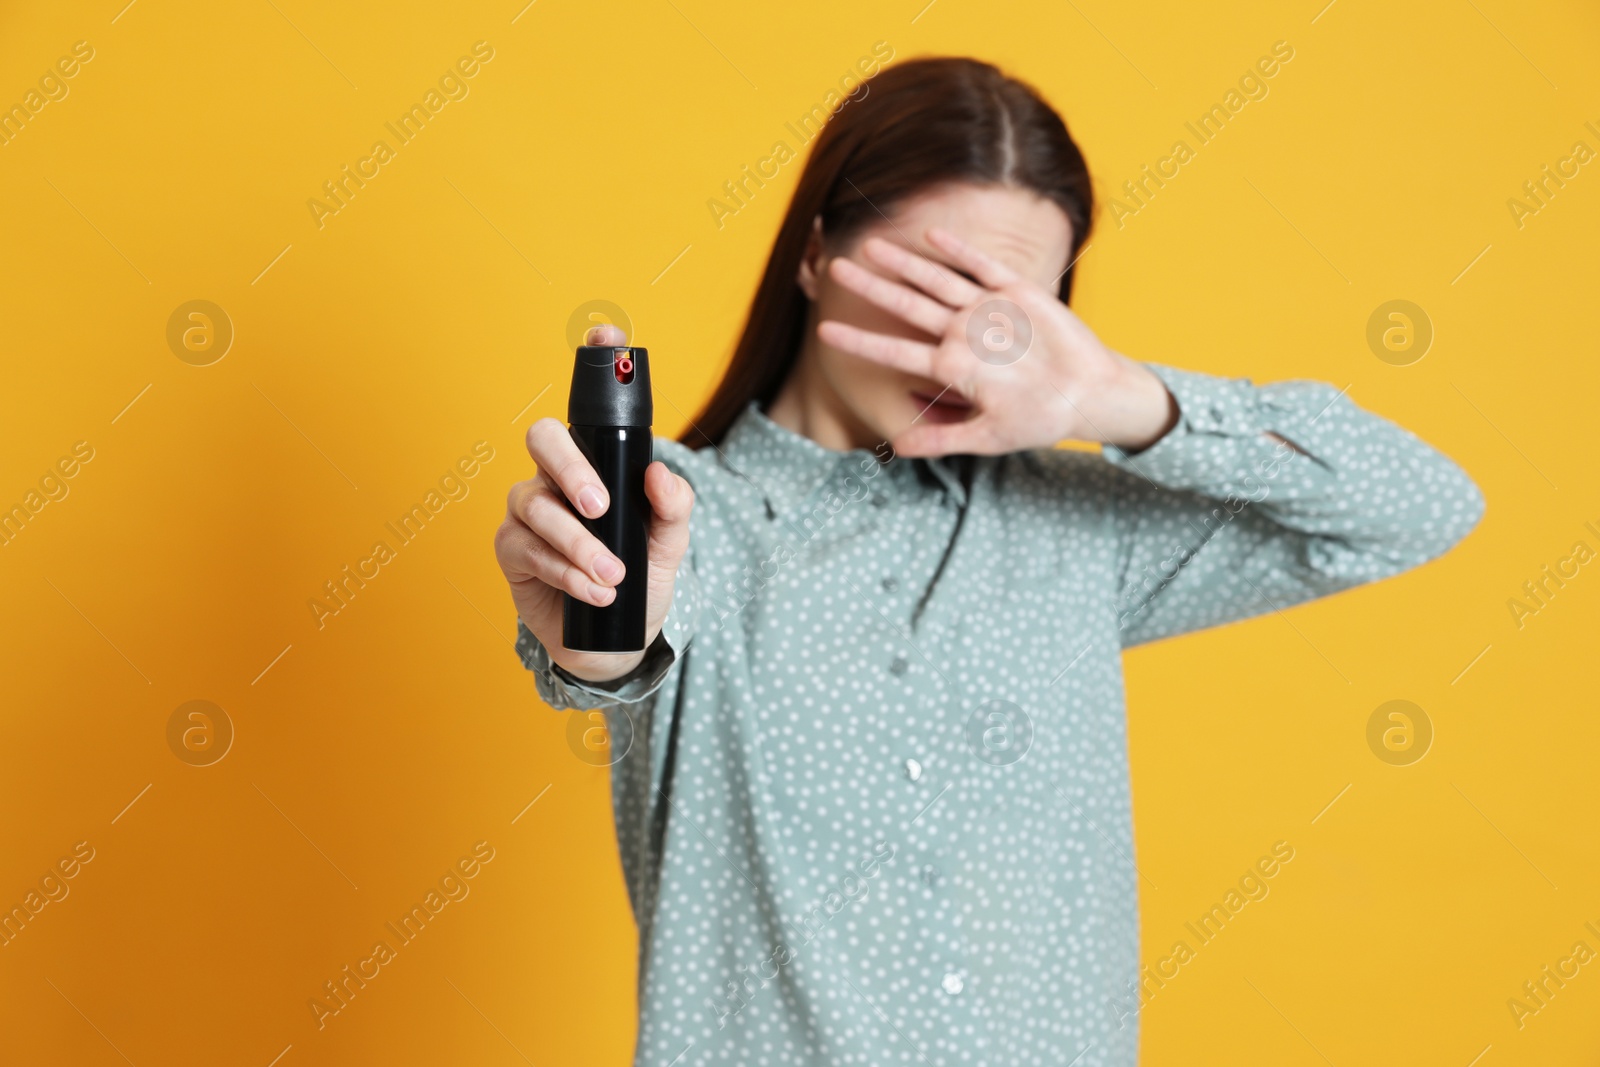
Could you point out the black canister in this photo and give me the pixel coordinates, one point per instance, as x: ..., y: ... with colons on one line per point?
x: 610, y: 413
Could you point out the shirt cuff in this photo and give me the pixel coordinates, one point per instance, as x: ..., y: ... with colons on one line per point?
x: 1221, y: 431
x: 562, y: 690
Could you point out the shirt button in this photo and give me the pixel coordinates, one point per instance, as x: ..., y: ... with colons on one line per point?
x: 913, y: 769
x: 930, y: 876
x: 952, y: 983
x: 890, y: 585
x: 899, y: 665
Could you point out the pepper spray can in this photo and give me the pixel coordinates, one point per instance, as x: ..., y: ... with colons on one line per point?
x: 610, y: 413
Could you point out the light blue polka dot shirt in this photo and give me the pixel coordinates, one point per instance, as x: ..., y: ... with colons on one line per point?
x: 874, y: 802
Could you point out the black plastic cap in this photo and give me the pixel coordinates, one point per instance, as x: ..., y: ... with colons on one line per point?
x: 599, y: 399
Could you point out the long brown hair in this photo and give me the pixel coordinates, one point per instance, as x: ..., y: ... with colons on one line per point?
x: 919, y: 124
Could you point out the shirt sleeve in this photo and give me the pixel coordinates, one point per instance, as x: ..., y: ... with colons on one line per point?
x: 561, y: 690
x: 1217, y: 521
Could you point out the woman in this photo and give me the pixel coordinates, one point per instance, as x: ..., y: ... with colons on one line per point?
x: 874, y: 806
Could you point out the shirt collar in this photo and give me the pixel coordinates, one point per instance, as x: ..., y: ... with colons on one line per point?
x: 787, y: 467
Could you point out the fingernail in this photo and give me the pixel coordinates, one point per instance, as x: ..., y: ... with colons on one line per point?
x: 600, y: 594
x: 608, y: 567
x: 590, y: 500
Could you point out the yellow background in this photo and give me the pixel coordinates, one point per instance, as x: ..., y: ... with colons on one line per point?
x: 431, y: 310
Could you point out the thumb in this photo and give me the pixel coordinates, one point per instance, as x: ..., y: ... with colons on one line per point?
x: 671, y: 501
x: 924, y: 439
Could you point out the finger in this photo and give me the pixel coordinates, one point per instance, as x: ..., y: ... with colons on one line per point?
x: 671, y: 502
x: 549, y: 519
x: 942, y: 438
x: 914, y: 357
x: 560, y: 461
x: 925, y: 314
x: 935, y: 279
x: 524, y: 555
x: 988, y: 270
x: 605, y: 334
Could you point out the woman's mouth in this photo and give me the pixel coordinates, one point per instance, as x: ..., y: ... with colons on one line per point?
x: 948, y: 406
